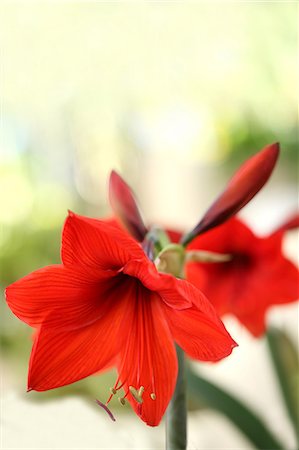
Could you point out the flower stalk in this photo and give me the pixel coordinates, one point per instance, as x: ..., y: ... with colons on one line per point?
x: 176, y: 416
x: 173, y: 257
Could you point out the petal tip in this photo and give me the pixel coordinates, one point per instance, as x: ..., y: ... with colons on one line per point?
x: 274, y: 149
x: 123, y: 202
x: 247, y: 181
x: 234, y: 344
x: 6, y: 292
x: 113, y: 174
x: 115, y: 180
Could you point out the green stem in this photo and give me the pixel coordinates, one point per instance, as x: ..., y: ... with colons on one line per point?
x: 176, y: 416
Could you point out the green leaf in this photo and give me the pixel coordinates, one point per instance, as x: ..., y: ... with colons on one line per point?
x: 285, y: 360
x: 247, y: 421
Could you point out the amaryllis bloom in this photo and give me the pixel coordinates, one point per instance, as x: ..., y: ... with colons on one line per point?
x: 107, y: 305
x: 256, y: 277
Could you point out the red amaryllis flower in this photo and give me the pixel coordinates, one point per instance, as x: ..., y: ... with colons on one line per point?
x: 106, y: 305
x: 257, y: 276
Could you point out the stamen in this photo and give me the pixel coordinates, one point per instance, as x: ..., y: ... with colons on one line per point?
x: 109, y: 399
x: 113, y: 390
x: 140, y: 391
x: 136, y: 395
x: 118, y: 387
x: 122, y: 401
x: 153, y: 396
x: 106, y: 409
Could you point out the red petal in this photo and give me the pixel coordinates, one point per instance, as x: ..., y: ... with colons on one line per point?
x: 217, y: 284
x: 256, y: 326
x: 245, y: 289
x: 290, y: 224
x: 242, y: 187
x: 174, y: 236
x: 96, y: 244
x: 124, y: 205
x: 283, y: 282
x: 223, y: 282
x: 60, y: 296
x: 113, y: 221
x: 148, y: 357
x: 278, y: 284
x: 176, y: 293
x: 61, y: 357
x: 274, y: 278
x: 234, y: 236
x: 199, y: 331
x: 173, y: 291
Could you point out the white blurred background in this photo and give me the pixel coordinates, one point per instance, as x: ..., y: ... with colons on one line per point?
x: 174, y: 95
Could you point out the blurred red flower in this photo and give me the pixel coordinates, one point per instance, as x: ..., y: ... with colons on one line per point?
x: 107, y: 305
x: 257, y: 276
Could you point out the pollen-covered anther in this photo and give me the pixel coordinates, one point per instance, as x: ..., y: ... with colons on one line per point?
x: 153, y: 396
x: 112, y: 391
x: 122, y: 401
x: 137, y: 395
x: 140, y: 391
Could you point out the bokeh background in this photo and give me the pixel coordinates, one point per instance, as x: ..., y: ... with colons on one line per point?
x: 174, y: 95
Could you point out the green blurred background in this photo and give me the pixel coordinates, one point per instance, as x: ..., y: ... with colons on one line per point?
x: 174, y: 95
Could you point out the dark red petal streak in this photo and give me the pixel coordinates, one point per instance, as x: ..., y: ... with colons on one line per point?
x: 61, y: 357
x: 242, y: 187
x: 96, y: 244
x: 148, y: 357
x: 125, y: 207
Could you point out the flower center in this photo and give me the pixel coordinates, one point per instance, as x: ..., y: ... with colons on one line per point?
x: 241, y: 259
